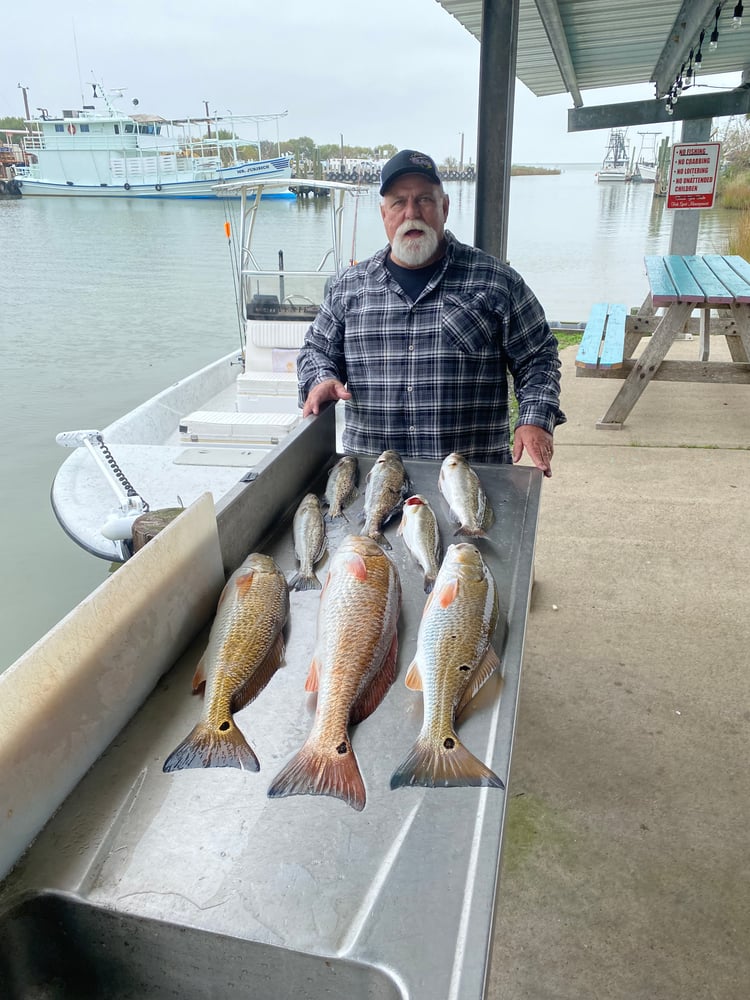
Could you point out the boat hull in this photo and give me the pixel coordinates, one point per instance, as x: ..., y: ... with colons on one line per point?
x: 31, y: 186
x: 609, y: 176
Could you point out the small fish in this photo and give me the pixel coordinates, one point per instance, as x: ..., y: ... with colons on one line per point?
x: 245, y: 646
x: 463, y: 492
x: 341, y: 487
x: 420, y: 531
x: 353, y: 665
x: 387, y: 487
x: 309, y: 531
x: 453, y: 660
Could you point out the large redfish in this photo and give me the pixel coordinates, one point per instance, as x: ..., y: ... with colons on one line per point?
x: 245, y: 646
x: 353, y: 665
x: 453, y: 660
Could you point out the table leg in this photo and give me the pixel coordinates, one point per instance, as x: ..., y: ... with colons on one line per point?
x: 633, y: 330
x: 647, y: 365
x: 741, y: 316
x: 705, y: 328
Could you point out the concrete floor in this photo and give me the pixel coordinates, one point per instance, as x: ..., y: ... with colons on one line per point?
x: 626, y: 868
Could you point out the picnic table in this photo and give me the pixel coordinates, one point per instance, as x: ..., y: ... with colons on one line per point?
x: 678, y: 286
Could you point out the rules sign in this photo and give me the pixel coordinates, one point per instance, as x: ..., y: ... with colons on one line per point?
x: 692, y: 175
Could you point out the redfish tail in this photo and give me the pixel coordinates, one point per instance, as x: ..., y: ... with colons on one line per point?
x: 305, y: 581
x: 206, y: 746
x: 445, y: 767
x: 315, y: 771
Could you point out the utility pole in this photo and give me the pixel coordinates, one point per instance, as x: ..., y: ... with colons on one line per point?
x: 25, y: 100
x: 461, y: 158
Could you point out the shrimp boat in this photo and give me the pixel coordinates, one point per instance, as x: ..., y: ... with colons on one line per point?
x: 647, y: 163
x: 616, y: 163
x: 210, y: 430
x: 102, y: 151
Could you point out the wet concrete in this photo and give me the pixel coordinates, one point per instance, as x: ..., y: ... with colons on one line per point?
x: 625, y: 870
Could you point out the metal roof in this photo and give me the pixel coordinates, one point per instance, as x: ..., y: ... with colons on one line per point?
x: 575, y: 45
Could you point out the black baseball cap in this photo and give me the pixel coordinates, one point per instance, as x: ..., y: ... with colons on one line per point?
x: 408, y: 161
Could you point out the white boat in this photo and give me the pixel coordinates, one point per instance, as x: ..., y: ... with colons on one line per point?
x: 101, y: 151
x: 647, y: 163
x: 206, y: 432
x: 616, y: 163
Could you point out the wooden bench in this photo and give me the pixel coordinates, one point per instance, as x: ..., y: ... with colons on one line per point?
x: 602, y: 346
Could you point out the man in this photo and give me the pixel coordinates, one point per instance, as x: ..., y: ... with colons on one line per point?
x: 418, y: 339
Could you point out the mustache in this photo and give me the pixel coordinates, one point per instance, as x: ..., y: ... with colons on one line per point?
x: 409, y: 225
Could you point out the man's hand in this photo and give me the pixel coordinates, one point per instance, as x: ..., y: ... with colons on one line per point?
x: 330, y: 389
x: 537, y: 443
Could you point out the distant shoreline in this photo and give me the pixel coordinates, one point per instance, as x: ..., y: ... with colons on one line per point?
x: 525, y: 171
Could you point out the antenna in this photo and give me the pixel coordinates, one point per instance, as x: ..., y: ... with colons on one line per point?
x: 78, y: 62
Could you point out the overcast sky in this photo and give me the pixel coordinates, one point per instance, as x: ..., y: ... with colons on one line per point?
x: 391, y: 71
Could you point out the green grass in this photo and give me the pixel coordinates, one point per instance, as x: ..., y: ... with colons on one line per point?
x: 567, y: 338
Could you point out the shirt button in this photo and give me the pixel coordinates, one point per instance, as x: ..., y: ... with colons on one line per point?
x: 411, y: 347
x: 410, y: 388
x: 412, y: 428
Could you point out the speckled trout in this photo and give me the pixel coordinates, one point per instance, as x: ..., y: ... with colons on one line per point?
x: 454, y: 658
x: 419, y: 529
x: 353, y: 665
x: 464, y: 494
x: 245, y: 647
x: 341, y: 487
x: 386, y: 488
x: 309, y: 533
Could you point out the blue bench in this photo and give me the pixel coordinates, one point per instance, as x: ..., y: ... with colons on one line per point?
x: 602, y: 346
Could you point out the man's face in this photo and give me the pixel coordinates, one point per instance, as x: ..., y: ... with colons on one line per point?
x: 414, y: 211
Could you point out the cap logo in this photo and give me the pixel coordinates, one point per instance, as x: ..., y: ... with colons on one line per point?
x: 420, y: 160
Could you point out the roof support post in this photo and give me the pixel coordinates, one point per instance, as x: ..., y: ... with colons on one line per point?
x: 684, y: 236
x: 497, y: 86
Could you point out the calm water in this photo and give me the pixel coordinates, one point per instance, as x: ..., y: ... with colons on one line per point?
x: 102, y: 304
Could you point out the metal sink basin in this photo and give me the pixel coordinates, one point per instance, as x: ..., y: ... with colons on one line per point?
x: 57, y: 946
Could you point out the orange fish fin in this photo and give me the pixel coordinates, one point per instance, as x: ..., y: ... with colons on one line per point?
x: 243, y: 583
x: 261, y: 675
x: 312, y: 682
x: 199, y: 677
x: 316, y: 771
x: 447, y: 764
x: 448, y: 593
x: 489, y: 664
x: 413, y: 677
x: 356, y: 565
x: 206, y: 746
x: 377, y: 689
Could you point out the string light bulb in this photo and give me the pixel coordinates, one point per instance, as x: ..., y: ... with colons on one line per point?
x: 737, y: 17
x: 688, y: 81
x: 714, y: 40
x: 699, y: 53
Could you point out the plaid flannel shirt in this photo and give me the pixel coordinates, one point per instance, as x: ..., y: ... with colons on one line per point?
x: 430, y: 377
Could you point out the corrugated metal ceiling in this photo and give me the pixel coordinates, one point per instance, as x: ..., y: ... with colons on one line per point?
x: 574, y: 45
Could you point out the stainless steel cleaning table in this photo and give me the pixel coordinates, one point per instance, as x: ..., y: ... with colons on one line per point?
x: 196, y: 884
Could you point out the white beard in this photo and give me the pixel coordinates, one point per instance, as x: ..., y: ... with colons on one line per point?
x: 416, y: 251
